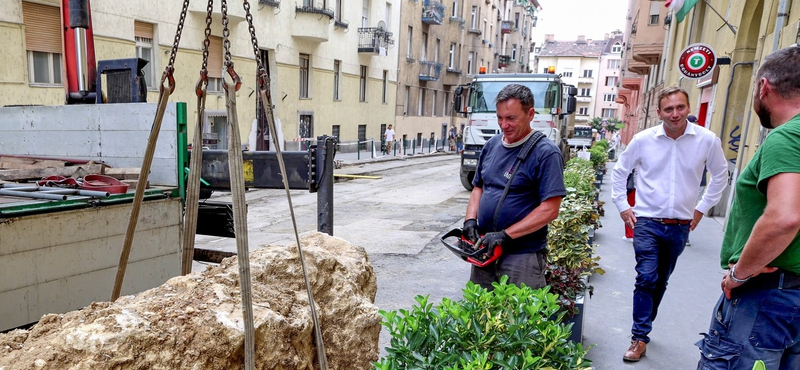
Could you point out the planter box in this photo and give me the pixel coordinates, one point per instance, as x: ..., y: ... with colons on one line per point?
x: 577, y: 321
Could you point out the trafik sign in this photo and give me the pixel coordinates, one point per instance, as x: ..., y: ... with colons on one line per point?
x: 697, y: 60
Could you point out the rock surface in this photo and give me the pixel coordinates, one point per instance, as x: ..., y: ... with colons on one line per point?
x: 195, y: 321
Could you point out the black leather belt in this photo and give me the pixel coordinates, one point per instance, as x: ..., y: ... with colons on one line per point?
x: 671, y: 221
x: 776, y: 280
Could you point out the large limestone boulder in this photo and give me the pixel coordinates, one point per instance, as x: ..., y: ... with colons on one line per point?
x: 195, y: 321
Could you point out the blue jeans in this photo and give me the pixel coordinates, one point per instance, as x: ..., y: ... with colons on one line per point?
x: 657, y: 248
x: 753, y: 325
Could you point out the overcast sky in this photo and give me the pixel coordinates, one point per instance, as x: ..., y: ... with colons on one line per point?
x: 569, y: 18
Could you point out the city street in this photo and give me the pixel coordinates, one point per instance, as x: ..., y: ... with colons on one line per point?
x: 399, y: 217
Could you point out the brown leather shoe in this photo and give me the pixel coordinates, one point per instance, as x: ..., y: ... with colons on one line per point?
x: 635, y: 351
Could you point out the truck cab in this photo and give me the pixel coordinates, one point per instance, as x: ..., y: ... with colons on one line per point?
x: 553, y: 102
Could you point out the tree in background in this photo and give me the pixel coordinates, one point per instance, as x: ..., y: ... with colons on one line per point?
x: 611, y: 124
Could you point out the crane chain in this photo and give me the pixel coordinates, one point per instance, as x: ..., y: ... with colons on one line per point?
x: 266, y: 104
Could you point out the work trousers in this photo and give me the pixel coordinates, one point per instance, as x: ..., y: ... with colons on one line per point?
x: 657, y: 248
x: 754, y: 325
x: 527, y: 268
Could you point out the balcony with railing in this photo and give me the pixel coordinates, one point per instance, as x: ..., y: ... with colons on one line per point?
x: 374, y: 40
x: 432, y: 12
x: 503, y: 61
x: 507, y: 27
x: 310, y: 23
x: 273, y: 3
x: 429, y: 71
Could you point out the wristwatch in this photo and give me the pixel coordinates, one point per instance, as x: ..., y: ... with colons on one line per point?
x: 732, y: 275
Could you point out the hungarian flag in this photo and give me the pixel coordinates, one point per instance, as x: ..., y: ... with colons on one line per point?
x: 681, y: 7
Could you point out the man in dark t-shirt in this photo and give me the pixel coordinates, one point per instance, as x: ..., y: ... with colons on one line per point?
x: 533, y: 199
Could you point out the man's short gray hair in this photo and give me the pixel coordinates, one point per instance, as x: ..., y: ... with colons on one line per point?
x: 781, y: 70
x: 516, y: 91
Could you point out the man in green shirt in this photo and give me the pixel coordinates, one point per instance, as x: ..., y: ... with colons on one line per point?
x: 756, y: 323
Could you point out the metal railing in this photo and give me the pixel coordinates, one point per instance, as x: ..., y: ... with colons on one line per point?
x: 432, y: 12
x: 429, y: 71
x: 372, y: 39
x: 315, y: 10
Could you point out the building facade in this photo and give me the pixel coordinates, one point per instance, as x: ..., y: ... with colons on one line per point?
x: 608, y: 78
x: 578, y: 62
x: 322, y: 80
x: 445, y: 44
x: 642, y: 78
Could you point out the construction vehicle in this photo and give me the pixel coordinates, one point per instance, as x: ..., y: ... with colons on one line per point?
x: 554, y: 103
x: 582, y: 137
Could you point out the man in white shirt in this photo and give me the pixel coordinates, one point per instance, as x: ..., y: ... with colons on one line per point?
x: 669, y: 161
x: 389, y: 136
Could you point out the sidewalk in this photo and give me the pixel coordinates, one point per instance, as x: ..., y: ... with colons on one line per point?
x: 365, y: 157
x: 685, y: 311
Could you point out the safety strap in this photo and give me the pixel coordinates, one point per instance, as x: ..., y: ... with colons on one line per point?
x: 523, y: 153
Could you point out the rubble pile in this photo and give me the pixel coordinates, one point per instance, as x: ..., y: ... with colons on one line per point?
x: 195, y: 321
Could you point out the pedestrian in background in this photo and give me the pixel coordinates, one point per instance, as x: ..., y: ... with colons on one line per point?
x: 756, y: 322
x: 459, y: 141
x: 669, y: 161
x: 388, y: 136
x: 518, y: 222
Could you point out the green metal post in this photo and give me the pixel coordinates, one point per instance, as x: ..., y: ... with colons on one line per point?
x: 183, y: 148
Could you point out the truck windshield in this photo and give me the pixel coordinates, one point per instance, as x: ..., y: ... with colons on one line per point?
x: 583, y: 132
x: 546, y: 95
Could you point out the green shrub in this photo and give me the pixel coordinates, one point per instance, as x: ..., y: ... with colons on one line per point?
x: 511, y: 327
x: 579, y: 178
x: 598, y: 156
x: 603, y: 143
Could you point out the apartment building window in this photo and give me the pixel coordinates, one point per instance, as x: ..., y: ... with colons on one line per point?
x: 455, y: 8
x: 514, y: 52
x: 445, y: 103
x: 362, y: 85
x: 609, y: 97
x: 388, y: 16
x: 587, y: 73
x: 143, y: 33
x: 424, y: 56
x: 436, y: 50
x: 655, y: 10
x: 616, y: 49
x: 305, y: 126
x: 473, y: 17
x: 364, y: 13
x: 362, y: 136
x: 486, y: 35
x: 586, y: 92
x: 409, y: 53
x: 337, y: 75
x: 406, y: 99
x: 339, y: 11
x: 433, y: 103
x: 336, y: 130
x: 304, y: 77
x: 214, y: 65
x: 583, y: 111
x: 452, y: 60
x: 43, y: 43
x: 469, y: 63
x: 609, y: 113
x: 384, y: 86
x: 565, y: 74
x: 611, y: 81
x: 613, y: 63
x: 516, y: 20
x: 421, y: 102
